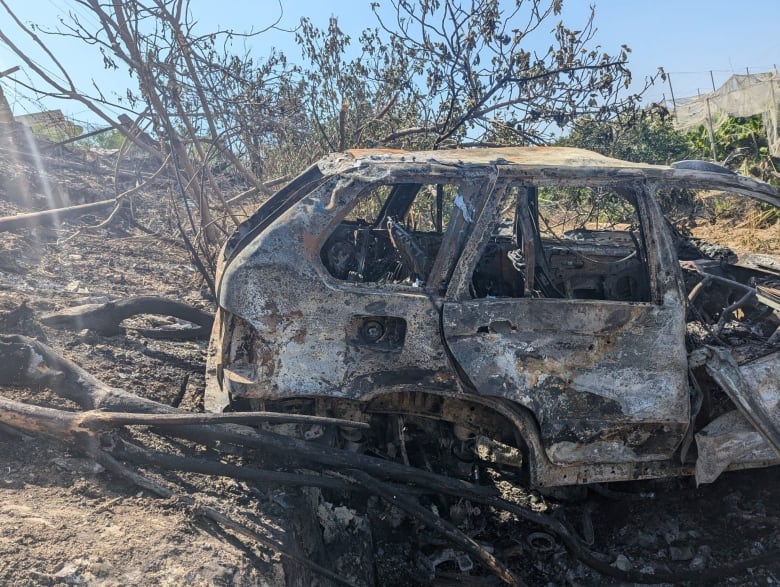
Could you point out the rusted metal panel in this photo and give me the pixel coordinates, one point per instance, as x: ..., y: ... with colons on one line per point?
x: 607, y: 381
x: 753, y: 387
x: 729, y: 440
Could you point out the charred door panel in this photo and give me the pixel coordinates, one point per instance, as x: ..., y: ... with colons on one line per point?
x: 307, y: 337
x: 335, y: 306
x: 607, y: 381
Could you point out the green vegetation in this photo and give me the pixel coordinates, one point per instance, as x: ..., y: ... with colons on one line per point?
x: 741, y: 144
x: 644, y: 136
x: 649, y: 136
x: 111, y: 139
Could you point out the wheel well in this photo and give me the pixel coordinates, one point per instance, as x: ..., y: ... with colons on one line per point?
x: 461, y: 411
x: 506, y: 433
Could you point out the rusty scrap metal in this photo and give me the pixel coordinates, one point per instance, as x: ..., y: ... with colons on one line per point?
x: 769, y: 296
x: 753, y: 387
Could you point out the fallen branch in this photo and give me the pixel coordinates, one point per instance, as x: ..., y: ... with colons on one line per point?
x: 106, y: 319
x: 41, y: 420
x: 212, y: 514
x: 35, y: 364
x: 52, y: 217
x: 63, y: 423
x: 97, y: 419
x: 141, y: 456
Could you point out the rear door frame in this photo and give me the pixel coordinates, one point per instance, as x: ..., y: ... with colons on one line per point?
x: 646, y: 425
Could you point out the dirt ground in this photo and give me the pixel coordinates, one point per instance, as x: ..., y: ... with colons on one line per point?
x: 65, y: 521
x: 733, y: 222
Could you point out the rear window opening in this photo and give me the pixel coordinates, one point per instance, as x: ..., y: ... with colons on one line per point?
x: 565, y: 243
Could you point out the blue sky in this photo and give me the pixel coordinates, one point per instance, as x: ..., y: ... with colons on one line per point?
x: 689, y: 38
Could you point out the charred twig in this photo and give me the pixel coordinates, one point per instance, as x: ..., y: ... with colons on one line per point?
x: 141, y: 456
x: 120, y: 470
x: 98, y: 419
x: 107, y: 505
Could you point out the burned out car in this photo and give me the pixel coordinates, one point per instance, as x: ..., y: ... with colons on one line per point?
x: 531, y: 307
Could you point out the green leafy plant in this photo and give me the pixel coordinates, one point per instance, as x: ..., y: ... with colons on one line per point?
x: 741, y: 145
x: 643, y: 136
x: 111, y: 139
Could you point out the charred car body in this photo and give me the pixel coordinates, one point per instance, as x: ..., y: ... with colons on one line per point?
x: 527, y: 306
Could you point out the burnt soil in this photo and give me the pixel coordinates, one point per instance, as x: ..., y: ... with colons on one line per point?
x: 63, y: 520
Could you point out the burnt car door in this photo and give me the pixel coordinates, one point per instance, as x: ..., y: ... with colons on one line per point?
x: 568, y: 303
x: 383, y: 266
x: 340, y: 297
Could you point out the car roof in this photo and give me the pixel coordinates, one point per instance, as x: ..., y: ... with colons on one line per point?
x: 521, y: 156
x: 551, y: 162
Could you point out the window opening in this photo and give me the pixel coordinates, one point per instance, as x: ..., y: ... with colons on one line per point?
x: 392, y: 234
x: 572, y: 243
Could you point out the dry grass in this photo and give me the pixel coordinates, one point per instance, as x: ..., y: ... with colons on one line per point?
x: 740, y: 223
